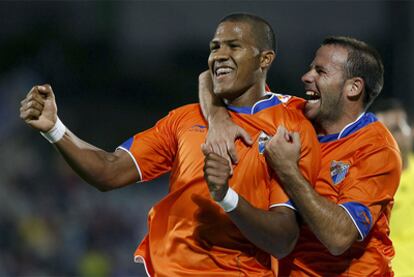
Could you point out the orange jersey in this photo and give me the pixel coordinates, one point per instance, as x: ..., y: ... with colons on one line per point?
x: 188, y: 233
x: 360, y: 171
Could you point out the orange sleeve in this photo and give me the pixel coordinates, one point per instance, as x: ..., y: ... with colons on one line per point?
x: 153, y: 150
x: 278, y: 196
x: 310, y: 156
x: 371, y: 183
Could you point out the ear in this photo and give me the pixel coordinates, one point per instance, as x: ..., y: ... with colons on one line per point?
x: 266, y: 59
x: 355, y: 87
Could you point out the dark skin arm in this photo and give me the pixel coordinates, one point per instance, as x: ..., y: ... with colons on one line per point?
x: 275, y: 231
x: 222, y: 131
x: 328, y: 221
x: 103, y: 170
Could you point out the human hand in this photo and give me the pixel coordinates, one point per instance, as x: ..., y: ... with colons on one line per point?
x: 221, y: 138
x: 38, y: 109
x: 222, y: 131
x: 282, y: 152
x: 217, y: 172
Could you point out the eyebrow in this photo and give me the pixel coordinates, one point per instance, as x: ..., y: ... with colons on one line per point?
x: 312, y: 65
x: 215, y: 41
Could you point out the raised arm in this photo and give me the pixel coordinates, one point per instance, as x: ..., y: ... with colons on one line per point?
x: 101, y: 169
x: 327, y: 220
x: 222, y: 131
x: 275, y: 231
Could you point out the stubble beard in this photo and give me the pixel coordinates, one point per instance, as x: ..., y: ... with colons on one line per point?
x: 330, y: 112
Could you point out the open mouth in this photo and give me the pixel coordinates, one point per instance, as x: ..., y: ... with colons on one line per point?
x: 223, y: 71
x: 312, y: 96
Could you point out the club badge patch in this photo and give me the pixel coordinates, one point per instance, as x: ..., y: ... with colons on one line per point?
x: 338, y: 171
x: 283, y: 98
x: 263, y: 139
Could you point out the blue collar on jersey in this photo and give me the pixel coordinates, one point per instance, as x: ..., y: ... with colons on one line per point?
x: 363, y: 120
x: 258, y: 106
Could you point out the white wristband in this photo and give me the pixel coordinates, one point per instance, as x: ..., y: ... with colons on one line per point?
x: 230, y: 200
x: 56, y: 133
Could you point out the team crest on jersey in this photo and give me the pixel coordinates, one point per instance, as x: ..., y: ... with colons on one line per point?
x: 263, y: 139
x: 338, y: 171
x: 283, y: 98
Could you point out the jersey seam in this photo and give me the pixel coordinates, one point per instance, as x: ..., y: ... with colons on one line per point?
x: 353, y: 220
x: 135, y: 162
x: 140, y: 260
x: 282, y: 205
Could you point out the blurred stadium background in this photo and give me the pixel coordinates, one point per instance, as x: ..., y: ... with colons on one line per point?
x: 117, y: 67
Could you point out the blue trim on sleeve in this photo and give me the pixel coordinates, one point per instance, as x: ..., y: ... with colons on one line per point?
x: 127, y: 144
x: 258, y: 106
x: 290, y: 203
x: 362, y: 121
x: 361, y: 216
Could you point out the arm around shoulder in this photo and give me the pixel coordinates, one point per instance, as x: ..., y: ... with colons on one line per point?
x: 222, y: 131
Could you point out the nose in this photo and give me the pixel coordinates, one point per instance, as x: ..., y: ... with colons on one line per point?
x: 221, y: 58
x: 308, y: 77
x: 219, y: 55
x: 222, y: 53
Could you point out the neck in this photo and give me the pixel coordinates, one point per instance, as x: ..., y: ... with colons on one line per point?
x: 349, y: 115
x: 249, y: 97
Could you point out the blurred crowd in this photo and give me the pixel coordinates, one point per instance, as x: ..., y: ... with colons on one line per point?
x: 51, y: 222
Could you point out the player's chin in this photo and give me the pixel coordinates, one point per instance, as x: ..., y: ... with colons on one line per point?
x: 224, y: 91
x: 311, y: 111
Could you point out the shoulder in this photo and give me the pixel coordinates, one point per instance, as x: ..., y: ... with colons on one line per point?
x: 294, y: 104
x: 181, y: 117
x: 188, y: 110
x: 376, y: 141
x: 290, y: 101
x: 376, y: 135
x: 293, y: 108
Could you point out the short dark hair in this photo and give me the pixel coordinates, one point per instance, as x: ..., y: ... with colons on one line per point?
x: 363, y: 61
x: 265, y: 36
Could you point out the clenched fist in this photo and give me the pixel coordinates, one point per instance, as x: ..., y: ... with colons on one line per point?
x: 217, y: 172
x: 282, y: 152
x: 38, y: 109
